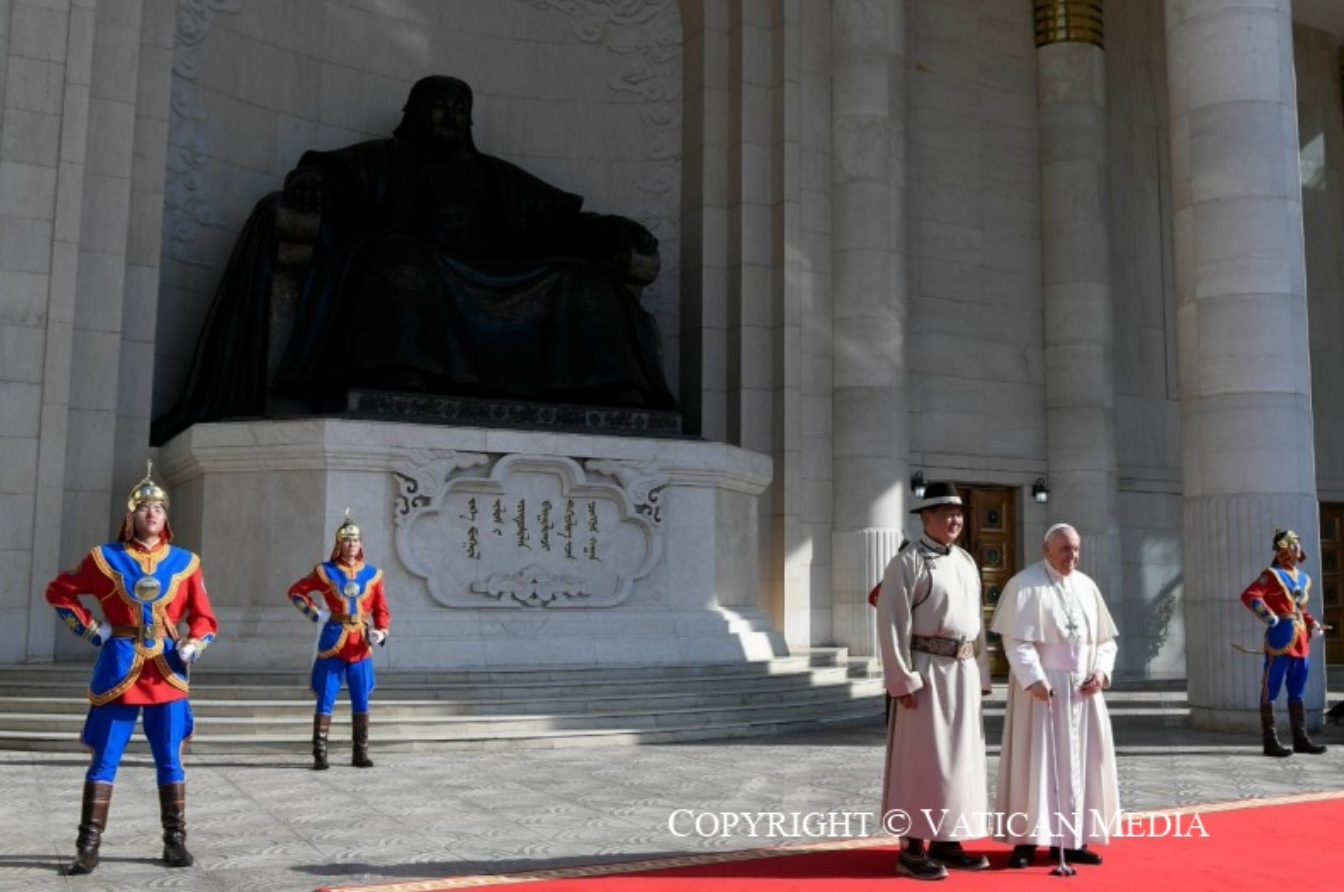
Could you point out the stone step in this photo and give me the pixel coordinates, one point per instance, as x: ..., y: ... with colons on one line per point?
x: 16, y: 675
x: 60, y: 733
x: 396, y: 687
x: 43, y: 708
x: 580, y: 703
x: 862, y: 713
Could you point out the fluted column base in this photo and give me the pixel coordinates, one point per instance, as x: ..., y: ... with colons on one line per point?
x: 861, y: 557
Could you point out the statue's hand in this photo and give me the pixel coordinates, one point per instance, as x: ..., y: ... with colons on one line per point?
x: 304, y: 191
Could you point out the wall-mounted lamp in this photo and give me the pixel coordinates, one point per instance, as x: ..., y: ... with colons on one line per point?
x: 1039, y: 491
x: 917, y: 484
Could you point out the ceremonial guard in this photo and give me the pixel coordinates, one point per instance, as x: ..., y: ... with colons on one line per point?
x: 346, y: 596
x: 146, y: 589
x: 1279, y: 598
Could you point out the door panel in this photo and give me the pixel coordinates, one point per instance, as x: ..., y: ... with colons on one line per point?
x: 991, y: 538
x: 1332, y: 559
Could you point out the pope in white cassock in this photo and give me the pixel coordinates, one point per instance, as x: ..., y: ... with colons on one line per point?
x: 1059, y: 639
x: 933, y: 658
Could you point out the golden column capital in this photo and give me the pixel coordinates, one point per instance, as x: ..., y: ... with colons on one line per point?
x: 1068, y: 21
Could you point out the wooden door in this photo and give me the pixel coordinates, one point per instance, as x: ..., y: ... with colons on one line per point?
x: 1331, y: 564
x: 991, y: 538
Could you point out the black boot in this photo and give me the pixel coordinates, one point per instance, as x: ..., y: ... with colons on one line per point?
x: 321, y: 729
x: 1271, y: 739
x: 1022, y: 856
x: 173, y: 812
x: 360, y: 731
x: 92, y: 822
x: 1297, y: 717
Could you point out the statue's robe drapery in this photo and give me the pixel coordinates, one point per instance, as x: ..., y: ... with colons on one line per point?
x: 471, y: 278
x: 477, y: 276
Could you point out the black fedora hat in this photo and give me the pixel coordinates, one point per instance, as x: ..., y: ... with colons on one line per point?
x: 938, y: 493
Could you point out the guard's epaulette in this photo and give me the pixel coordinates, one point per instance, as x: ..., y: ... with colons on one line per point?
x: 905, y: 544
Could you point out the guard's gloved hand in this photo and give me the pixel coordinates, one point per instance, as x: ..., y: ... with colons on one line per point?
x: 323, y: 614
x: 1317, y: 631
x: 1272, y: 621
x: 377, y: 636
x: 104, y: 634
x: 189, y: 652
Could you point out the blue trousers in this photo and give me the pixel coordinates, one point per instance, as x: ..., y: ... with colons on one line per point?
x: 1280, y: 669
x: 108, y: 729
x: 331, y: 673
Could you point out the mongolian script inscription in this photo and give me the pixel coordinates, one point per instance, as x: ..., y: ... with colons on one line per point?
x: 495, y: 530
x: 533, y: 531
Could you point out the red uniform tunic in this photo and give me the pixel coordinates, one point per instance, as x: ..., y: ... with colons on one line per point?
x: 1270, y: 596
x: 322, y: 590
x: 149, y: 682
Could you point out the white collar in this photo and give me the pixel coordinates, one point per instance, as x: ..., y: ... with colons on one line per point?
x: 931, y: 545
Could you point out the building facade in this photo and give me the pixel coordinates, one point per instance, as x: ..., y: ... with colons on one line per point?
x: 1091, y: 248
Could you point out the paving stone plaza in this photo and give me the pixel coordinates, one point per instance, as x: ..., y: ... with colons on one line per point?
x: 270, y: 823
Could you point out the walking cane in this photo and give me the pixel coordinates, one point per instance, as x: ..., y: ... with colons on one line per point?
x: 1063, y: 870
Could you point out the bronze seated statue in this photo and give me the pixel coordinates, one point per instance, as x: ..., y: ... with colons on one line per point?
x: 419, y: 264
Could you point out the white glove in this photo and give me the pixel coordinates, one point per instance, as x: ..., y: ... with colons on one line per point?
x: 1318, y: 631
x: 377, y: 636
x: 1272, y: 621
x: 104, y: 632
x: 189, y: 652
x: 323, y: 614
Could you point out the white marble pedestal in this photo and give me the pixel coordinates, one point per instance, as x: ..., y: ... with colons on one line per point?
x: 499, y: 547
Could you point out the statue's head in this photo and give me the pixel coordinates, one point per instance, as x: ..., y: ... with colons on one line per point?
x: 438, y: 108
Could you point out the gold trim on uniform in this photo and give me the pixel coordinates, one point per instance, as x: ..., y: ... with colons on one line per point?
x: 348, y: 622
x: 159, y: 610
x: 127, y: 683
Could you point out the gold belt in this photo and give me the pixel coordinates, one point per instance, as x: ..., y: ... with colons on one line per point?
x: 943, y: 647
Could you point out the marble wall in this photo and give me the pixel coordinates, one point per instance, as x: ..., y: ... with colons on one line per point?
x: 83, y: 114
x: 1320, y: 118
x: 975, y: 348
x: 1147, y: 405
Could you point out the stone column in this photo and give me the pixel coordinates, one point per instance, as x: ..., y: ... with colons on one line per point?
x: 871, y: 447
x: 1076, y: 279
x: 1248, y: 461
x: 48, y: 52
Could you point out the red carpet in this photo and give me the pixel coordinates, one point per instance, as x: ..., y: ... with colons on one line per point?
x: 1303, y: 832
